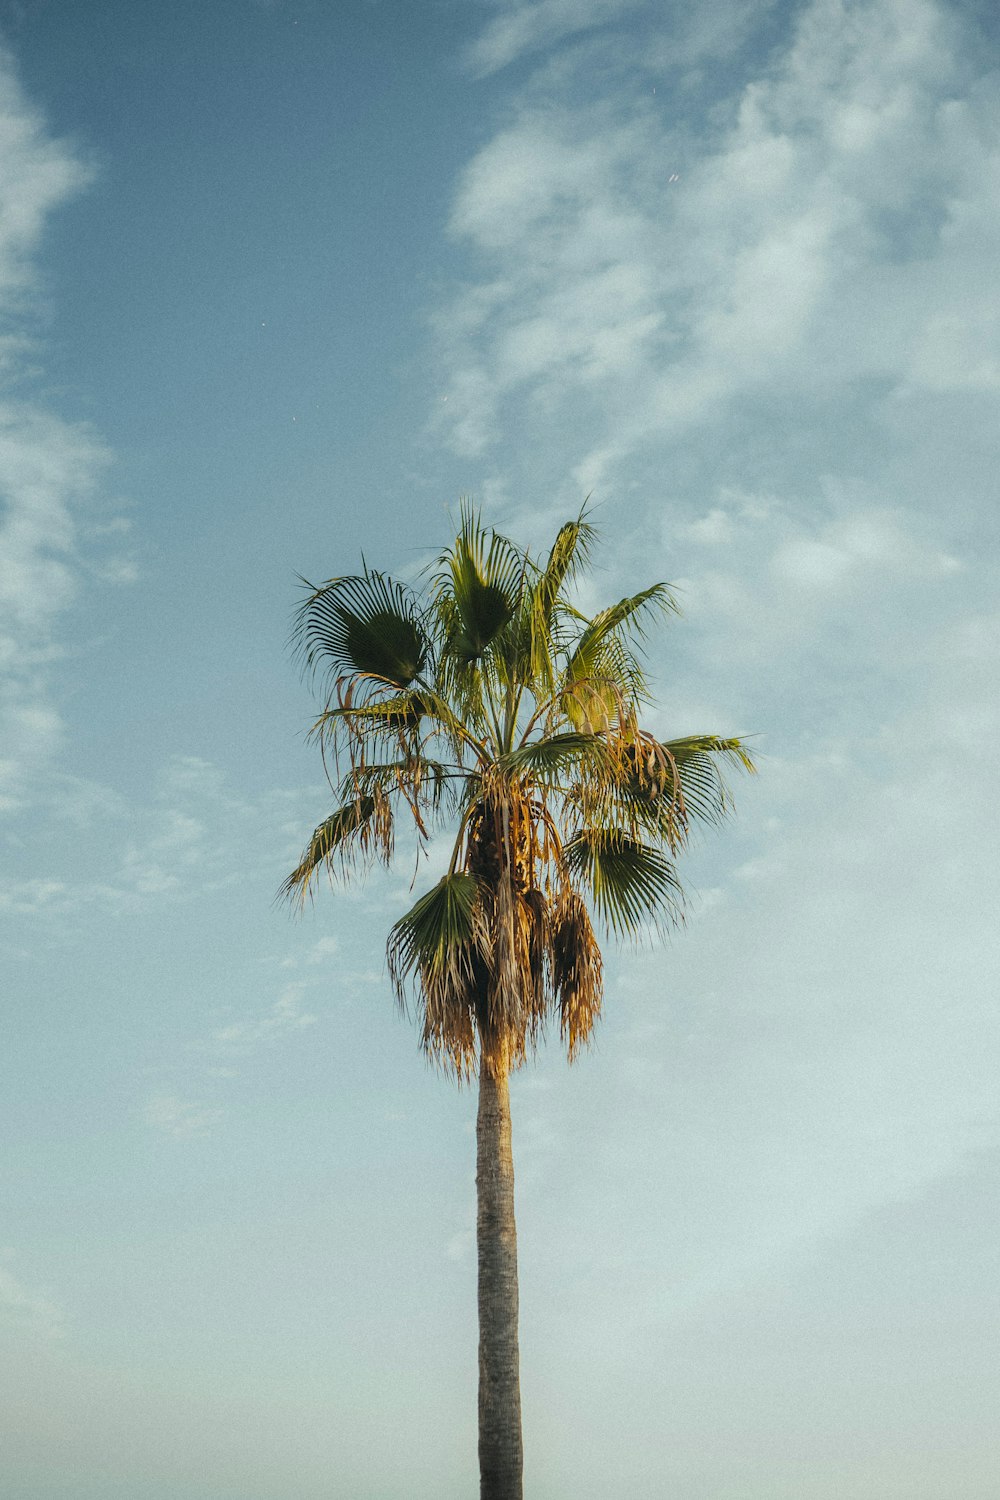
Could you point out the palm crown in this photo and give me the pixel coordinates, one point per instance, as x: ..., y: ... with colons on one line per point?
x: 489, y: 702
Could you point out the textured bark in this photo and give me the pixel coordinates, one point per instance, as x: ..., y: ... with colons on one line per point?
x: 500, y: 1452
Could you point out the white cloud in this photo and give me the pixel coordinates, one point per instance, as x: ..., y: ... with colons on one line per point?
x: 525, y: 25
x: 224, y: 1052
x: 864, y: 542
x: 284, y: 1016
x: 762, y: 323
x: 683, y: 35
x: 180, y: 1118
x: 37, y: 174
x: 25, y: 1309
x: 47, y: 466
x: 833, y: 223
x: 192, y: 835
x: 323, y: 949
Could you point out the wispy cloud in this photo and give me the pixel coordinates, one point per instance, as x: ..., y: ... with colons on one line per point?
x: 760, y: 315
x: 48, y: 467
x: 673, y: 34
x: 283, y: 1016
x: 180, y: 1118
x: 646, y: 266
x: 214, y: 1061
x: 524, y: 26
x: 183, y: 1116
x: 195, y: 834
x: 39, y: 174
x: 25, y: 1309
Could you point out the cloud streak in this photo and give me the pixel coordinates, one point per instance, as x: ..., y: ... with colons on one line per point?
x: 527, y: 26
x: 48, y: 466
x: 26, y: 1310
x: 762, y: 312
x: 284, y: 1015
x: 643, y: 274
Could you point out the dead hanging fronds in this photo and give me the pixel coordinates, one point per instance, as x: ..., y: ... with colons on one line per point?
x: 506, y: 837
x: 577, y: 970
x: 448, y: 1030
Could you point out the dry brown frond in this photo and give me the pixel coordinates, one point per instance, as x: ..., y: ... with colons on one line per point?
x: 577, y: 971
x: 449, y: 1031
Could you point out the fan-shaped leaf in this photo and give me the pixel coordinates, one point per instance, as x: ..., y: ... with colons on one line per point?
x: 631, y: 882
x: 366, y: 625
x: 482, y: 579
x: 432, y: 934
x: 549, y: 759
x: 602, y: 672
x: 539, y: 633
x: 694, y: 763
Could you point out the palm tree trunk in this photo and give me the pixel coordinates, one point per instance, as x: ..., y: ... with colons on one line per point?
x: 500, y: 1453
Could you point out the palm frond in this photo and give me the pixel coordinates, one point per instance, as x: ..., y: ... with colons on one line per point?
x: 398, y: 710
x: 633, y: 790
x: 435, y: 935
x: 696, y: 775
x: 577, y: 971
x: 603, y: 677
x: 366, y: 625
x: 632, y: 883
x: 628, y: 613
x: 570, y: 552
x: 395, y: 716
x: 734, y: 751
x: 540, y: 636
x: 547, y: 760
x: 480, y: 580
x: 363, y: 826
x: 423, y: 783
x: 432, y: 950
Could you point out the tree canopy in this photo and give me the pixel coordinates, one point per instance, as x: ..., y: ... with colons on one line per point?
x: 488, y: 703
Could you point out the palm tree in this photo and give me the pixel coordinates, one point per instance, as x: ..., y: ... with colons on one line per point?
x: 489, y: 702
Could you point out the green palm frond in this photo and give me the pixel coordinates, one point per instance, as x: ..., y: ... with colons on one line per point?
x: 548, y: 760
x: 353, y: 828
x: 432, y: 950
x: 570, y: 552
x: 394, y: 716
x: 632, y: 883
x: 545, y: 605
x: 479, y: 583
x: 696, y: 773
x: 367, y: 625
x: 734, y: 751
x: 397, y: 711
x: 602, y: 667
x: 657, y: 789
x: 434, y: 938
x: 629, y: 615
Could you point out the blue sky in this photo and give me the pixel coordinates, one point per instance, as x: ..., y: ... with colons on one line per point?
x: 279, y: 282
